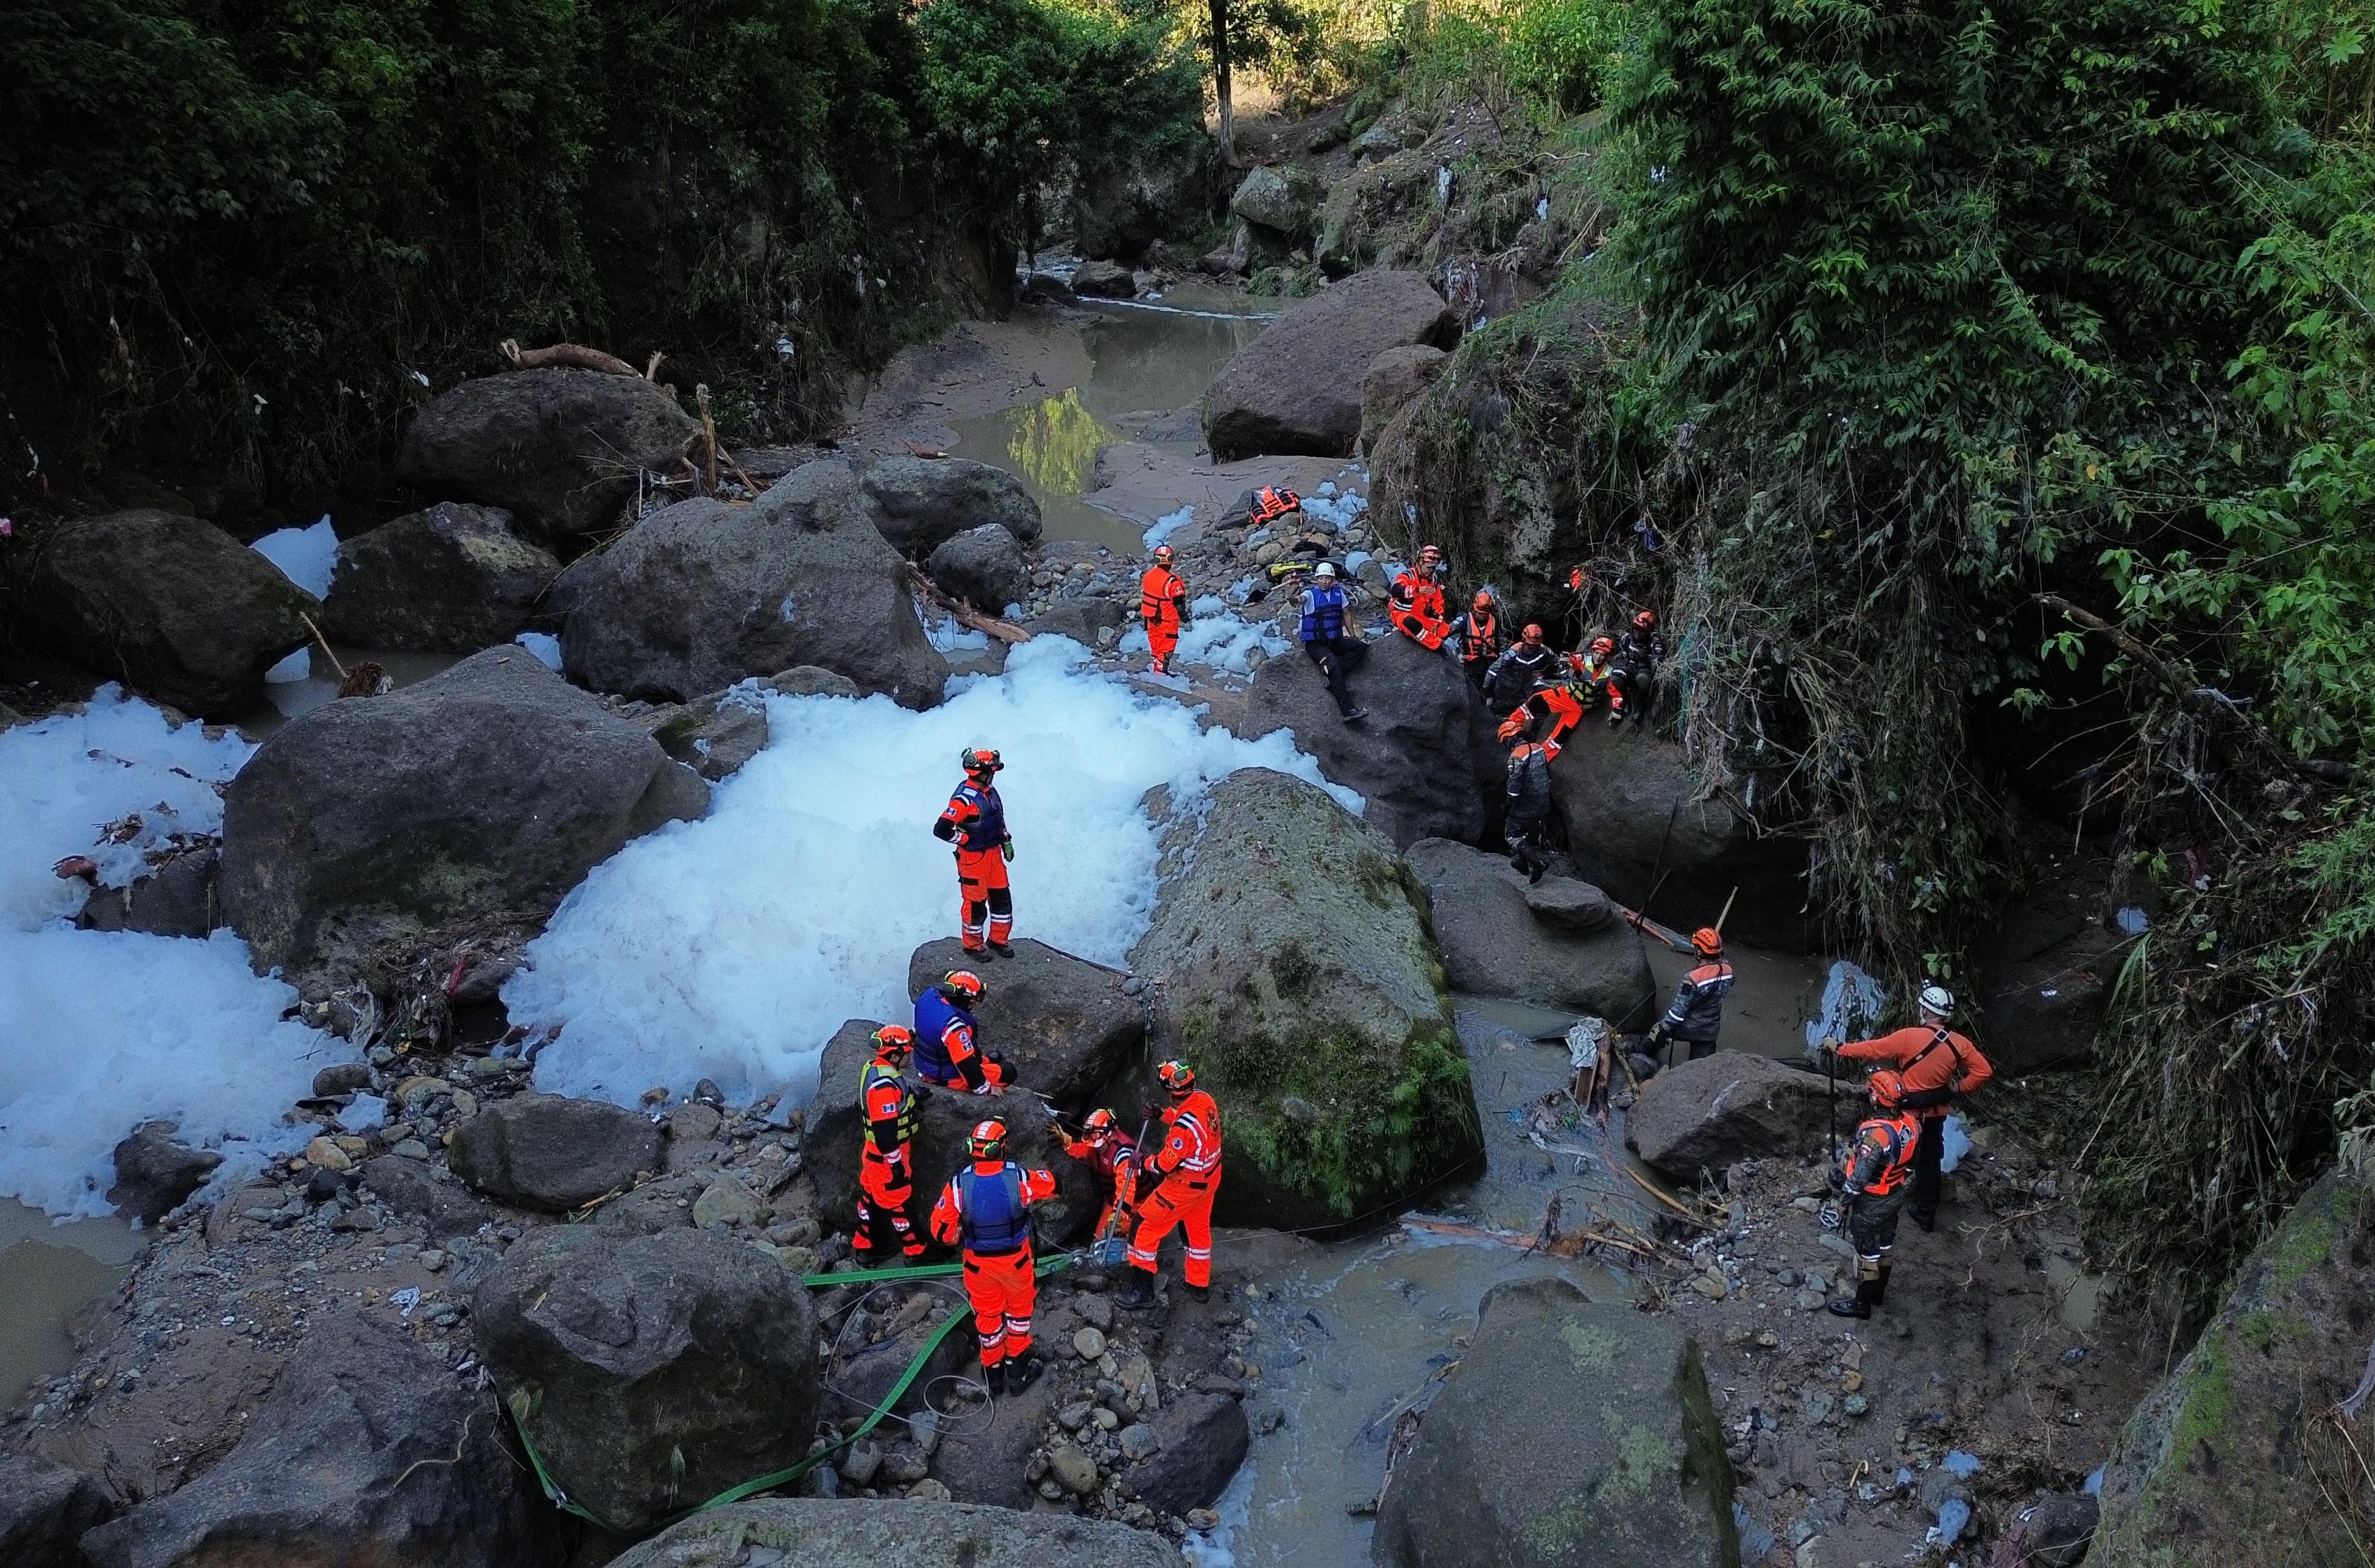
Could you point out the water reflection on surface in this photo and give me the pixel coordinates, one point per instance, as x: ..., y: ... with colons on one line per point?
x: 48, y: 1273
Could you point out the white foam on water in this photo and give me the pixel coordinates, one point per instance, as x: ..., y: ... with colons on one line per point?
x: 544, y: 645
x: 306, y: 556
x: 1169, y: 524
x: 1213, y: 638
x: 732, y: 948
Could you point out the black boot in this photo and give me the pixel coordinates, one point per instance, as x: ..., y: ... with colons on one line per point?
x: 1002, y: 949
x: 1867, y: 1294
x: 1141, y: 1294
x: 1880, y: 1286
x: 994, y: 1379
x: 1202, y: 1292
x: 1022, y: 1372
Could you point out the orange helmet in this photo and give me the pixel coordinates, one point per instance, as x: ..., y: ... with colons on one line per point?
x: 980, y: 760
x: 962, y: 982
x: 1177, y: 1075
x: 1100, y: 1121
x: 1162, y: 555
x: 1706, y: 941
x: 989, y: 1140
x: 893, y: 1039
x: 1483, y: 599
x: 1646, y: 619
x: 1533, y: 632
x: 1603, y: 645
x: 1886, y: 1088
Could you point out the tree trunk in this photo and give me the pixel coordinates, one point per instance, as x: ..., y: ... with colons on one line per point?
x: 1221, y: 81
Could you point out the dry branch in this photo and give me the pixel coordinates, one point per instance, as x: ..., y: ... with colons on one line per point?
x: 968, y: 617
x: 573, y: 355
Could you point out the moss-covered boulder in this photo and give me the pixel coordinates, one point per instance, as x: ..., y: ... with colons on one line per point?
x: 1570, y: 1434
x: 2242, y: 1444
x: 1297, y: 972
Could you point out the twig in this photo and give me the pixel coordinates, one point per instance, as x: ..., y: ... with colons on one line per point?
x: 573, y: 355
x: 708, y: 431
x: 324, y: 641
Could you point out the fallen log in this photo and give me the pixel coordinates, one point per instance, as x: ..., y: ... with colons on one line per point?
x: 966, y: 616
x: 572, y: 356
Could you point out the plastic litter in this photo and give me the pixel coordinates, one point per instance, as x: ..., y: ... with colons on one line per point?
x: 1953, y: 1515
x: 404, y: 1300
x: 1960, y: 1465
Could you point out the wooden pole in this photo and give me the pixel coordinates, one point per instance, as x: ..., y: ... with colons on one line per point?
x: 1727, y: 909
x: 324, y: 641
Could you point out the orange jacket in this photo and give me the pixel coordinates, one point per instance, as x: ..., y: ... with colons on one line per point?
x: 1931, y: 1059
x: 1880, y: 1156
x: 1194, y: 1143
x: 1415, y: 591
x: 1115, y: 1159
x: 1162, y: 595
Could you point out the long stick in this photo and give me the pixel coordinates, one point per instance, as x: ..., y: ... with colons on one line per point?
x: 1831, y: 1071
x: 1727, y: 909
x: 325, y: 644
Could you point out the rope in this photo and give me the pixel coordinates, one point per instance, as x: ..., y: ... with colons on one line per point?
x: 789, y: 1473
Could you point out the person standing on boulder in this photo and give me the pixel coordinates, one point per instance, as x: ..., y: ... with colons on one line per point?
x: 1526, y: 809
x: 986, y: 1209
x: 950, y: 1051
x: 1187, y: 1172
x: 886, y: 1167
x: 1873, y: 1176
x: 1480, y: 638
x: 1939, y: 1067
x: 1415, y: 601
x: 1163, y: 605
x: 1696, y: 1014
x: 1324, y: 640
x: 974, y: 822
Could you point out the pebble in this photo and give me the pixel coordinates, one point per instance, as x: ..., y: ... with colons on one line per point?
x: 1856, y: 1405
x: 1203, y: 1519
x: 1073, y: 1418
x: 1089, y: 1344
x: 860, y: 1463
x: 411, y: 1148
x: 929, y: 1490
x: 1051, y: 1492
x: 1768, y: 1339
x: 1072, y: 1469
x: 1106, y: 1421
x: 1786, y: 1279
x: 1809, y: 1300
x: 432, y: 1259
x: 325, y: 1153
x: 1712, y: 1285
x: 1097, y: 1311
x: 1138, y: 1442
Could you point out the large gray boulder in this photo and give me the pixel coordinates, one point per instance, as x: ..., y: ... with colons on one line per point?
x: 1297, y: 387
x: 1572, y: 1434
x: 1617, y: 790
x: 834, y: 1132
x: 1424, y: 760
x: 983, y: 566
x: 154, y: 1174
x: 1119, y: 212
x: 701, y: 595
x: 549, y: 1152
x: 1298, y: 977
x: 1201, y: 1439
x: 444, y: 1208
x: 1285, y: 200
x: 368, y: 1451
x: 1494, y: 945
x: 2234, y: 1446
x: 486, y: 791
x: 651, y: 1371
x: 815, y: 1532
x: 1064, y: 1024
x: 44, y: 1511
x: 173, y: 607
x: 451, y: 580
x: 923, y: 502
x: 1698, y: 1117
x: 562, y: 449
x: 1393, y: 383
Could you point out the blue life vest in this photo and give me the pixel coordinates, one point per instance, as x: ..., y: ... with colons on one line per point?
x: 990, y: 1211
x: 934, y: 1013
x: 989, y: 829
x: 1323, y: 612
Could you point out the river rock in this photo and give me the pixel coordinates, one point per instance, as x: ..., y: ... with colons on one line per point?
x: 1699, y: 1116
x: 831, y: 1148
x: 1104, y: 280
x: 922, y: 503
x: 2223, y: 1452
x: 172, y: 607
x: 552, y: 1153
x: 812, y: 1532
x: 1297, y: 387
x: 1064, y: 1024
x: 1118, y: 211
x: 1299, y: 979
x: 1080, y: 617
x: 45, y: 1510
x: 562, y: 449
x: 177, y: 899
x: 367, y: 1451
x: 1494, y: 946
x: 451, y: 580
x: 1571, y: 907
x: 409, y: 1186
x: 715, y: 735
x: 1570, y: 1432
x: 862, y: 1376
x: 2053, y: 1532
x: 1424, y: 759
x: 652, y: 1372
x: 701, y: 595
x: 983, y: 566
x: 487, y: 791
x: 1392, y: 382
x: 807, y: 680
x: 155, y: 1175
x: 1285, y: 200
x: 1200, y: 1440
x: 1617, y: 790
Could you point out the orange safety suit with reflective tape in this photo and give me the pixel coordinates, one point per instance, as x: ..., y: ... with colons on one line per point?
x: 1938, y: 1066
x: 987, y: 1209
x: 1163, y: 605
x: 1563, y: 704
x: 1115, y: 1158
x: 1188, y: 1166
x: 1415, y: 607
x: 886, y: 1171
x: 974, y: 820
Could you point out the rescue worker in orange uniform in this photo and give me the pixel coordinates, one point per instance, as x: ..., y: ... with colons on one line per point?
x: 974, y: 822
x: 886, y: 1167
x: 1186, y: 1175
x: 986, y: 1209
x: 1480, y: 638
x: 1115, y: 1158
x: 1695, y: 1015
x: 949, y: 1041
x: 1939, y: 1067
x: 1163, y: 605
x: 1561, y: 703
x: 1414, y: 602
x: 1873, y: 1176
x: 1518, y: 670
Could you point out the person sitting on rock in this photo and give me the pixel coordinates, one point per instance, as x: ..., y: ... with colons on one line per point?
x: 1415, y: 601
x: 1516, y: 673
x: 1327, y: 642
x: 1526, y: 809
x: 1480, y: 637
x: 948, y: 1040
x: 1695, y: 1015
x: 1873, y: 1178
x: 1115, y: 1158
x: 886, y: 1167
x: 986, y: 1209
x: 1638, y: 653
x: 1163, y: 605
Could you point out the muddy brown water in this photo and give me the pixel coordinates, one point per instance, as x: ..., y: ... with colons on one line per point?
x: 48, y: 1273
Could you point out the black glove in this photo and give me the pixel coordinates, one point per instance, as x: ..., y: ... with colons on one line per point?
x: 1149, y: 1111
x: 923, y: 1091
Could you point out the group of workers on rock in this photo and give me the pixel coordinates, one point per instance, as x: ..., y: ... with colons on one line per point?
x: 984, y: 1211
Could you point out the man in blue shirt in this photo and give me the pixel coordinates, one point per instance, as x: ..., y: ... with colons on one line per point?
x: 1324, y: 642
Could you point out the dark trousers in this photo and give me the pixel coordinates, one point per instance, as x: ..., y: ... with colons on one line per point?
x: 1928, y: 1180
x: 1334, y: 656
x: 1525, y: 841
x: 1630, y: 686
x: 1871, y: 1226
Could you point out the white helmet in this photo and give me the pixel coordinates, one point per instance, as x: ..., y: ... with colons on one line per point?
x: 1326, y: 572
x: 1937, y: 1001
